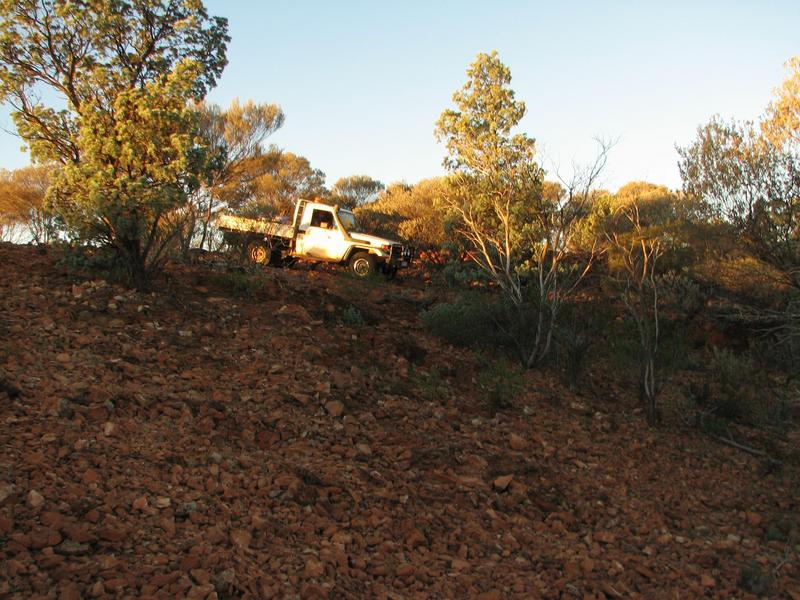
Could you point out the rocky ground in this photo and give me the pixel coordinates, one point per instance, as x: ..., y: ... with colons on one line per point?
x: 300, y: 435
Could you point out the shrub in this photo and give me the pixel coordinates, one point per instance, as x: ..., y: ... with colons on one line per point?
x: 577, y: 332
x: 240, y: 284
x: 467, y: 322
x: 458, y: 274
x: 753, y: 579
x: 735, y: 388
x: 501, y: 382
x: 352, y: 317
x: 95, y: 261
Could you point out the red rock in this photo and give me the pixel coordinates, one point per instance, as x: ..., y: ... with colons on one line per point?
x: 6, y: 525
x: 295, y: 311
x: 517, y: 442
x: 754, y: 518
x: 200, y: 592
x: 70, y: 591
x: 70, y: 548
x: 258, y: 522
x: 90, y: 476
x: 303, y: 399
x: 458, y: 564
x: 111, y: 534
x: 140, y: 503
x: 200, y: 576
x: 51, y: 519
x: 214, y: 535
x: 41, y: 538
x: 501, y: 483
x: 604, y: 537
x: 416, y: 538
x: 241, y: 538
x: 587, y: 564
x: 97, y: 590
x: 6, y: 490
x: 35, y: 499
x: 572, y: 570
x: 168, y: 525
x: 93, y: 516
x: 313, y: 568
x: 78, y: 532
x: 363, y: 449
x: 334, y: 408
x: 707, y: 581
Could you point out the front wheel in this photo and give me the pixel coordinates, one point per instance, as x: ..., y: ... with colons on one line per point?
x: 362, y: 264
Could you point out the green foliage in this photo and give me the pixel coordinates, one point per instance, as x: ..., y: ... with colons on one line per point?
x: 752, y: 579
x: 782, y: 125
x: 430, y: 385
x: 483, y: 320
x: 733, y: 389
x: 413, y: 213
x: 465, y: 323
x: 234, y: 138
x: 352, y: 317
x: 515, y: 228
x: 495, y: 192
x: 574, y: 341
x: 136, y: 166
x: 95, y: 261
x: 241, y: 284
x: 457, y: 274
x: 752, y: 183
x: 356, y: 190
x: 279, y: 178
x: 22, y: 194
x: 501, y: 382
x: 126, y: 72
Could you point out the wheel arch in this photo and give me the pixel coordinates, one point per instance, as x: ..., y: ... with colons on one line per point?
x: 355, y: 249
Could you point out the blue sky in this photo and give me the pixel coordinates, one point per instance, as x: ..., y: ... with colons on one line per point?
x: 363, y: 83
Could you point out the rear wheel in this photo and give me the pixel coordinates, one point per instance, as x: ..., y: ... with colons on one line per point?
x: 258, y: 253
x: 362, y: 264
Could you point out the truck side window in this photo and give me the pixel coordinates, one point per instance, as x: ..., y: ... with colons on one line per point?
x: 322, y: 218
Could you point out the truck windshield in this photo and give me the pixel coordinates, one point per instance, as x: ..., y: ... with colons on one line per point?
x: 348, y: 219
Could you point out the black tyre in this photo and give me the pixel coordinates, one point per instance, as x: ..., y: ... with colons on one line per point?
x: 258, y: 252
x: 390, y: 271
x: 362, y: 264
x: 276, y: 258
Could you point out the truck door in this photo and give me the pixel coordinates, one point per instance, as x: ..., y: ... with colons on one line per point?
x: 322, y: 239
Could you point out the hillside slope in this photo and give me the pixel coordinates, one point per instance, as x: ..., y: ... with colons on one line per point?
x: 224, y: 439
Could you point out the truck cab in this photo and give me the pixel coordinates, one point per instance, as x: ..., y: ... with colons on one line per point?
x: 331, y: 234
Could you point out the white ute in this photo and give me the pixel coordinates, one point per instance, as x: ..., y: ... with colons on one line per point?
x: 318, y: 232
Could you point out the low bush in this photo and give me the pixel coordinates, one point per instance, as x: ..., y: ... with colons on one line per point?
x: 99, y: 262
x: 467, y: 322
x: 735, y: 388
x: 240, y: 284
x: 352, y: 317
x: 501, y: 383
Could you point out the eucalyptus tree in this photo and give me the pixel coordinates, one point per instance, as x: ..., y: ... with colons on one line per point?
x: 515, y: 232
x: 103, y: 87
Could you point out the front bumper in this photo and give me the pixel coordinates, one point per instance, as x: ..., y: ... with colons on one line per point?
x: 400, y: 256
